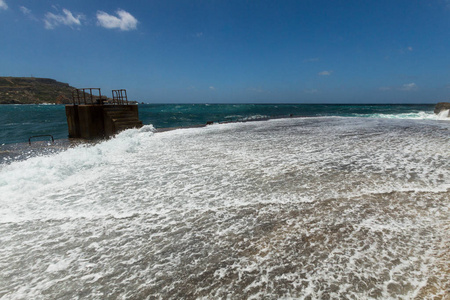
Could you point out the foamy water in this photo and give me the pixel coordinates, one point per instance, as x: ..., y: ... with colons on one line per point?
x: 421, y: 115
x: 315, y: 208
x: 444, y: 115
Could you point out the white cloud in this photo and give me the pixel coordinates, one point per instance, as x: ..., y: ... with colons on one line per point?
x: 405, y: 50
x: 3, y: 5
x: 51, y: 20
x: 409, y: 87
x: 125, y: 21
x: 212, y: 88
x: 405, y: 87
x: 325, y: 73
x: 25, y: 10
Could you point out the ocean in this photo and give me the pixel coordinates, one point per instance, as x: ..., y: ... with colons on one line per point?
x: 344, y: 202
x: 19, y: 122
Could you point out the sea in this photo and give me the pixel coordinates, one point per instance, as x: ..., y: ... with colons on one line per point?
x: 268, y: 201
x: 20, y: 122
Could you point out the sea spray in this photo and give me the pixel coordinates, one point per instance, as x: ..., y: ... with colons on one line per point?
x: 27, y: 184
x: 443, y: 115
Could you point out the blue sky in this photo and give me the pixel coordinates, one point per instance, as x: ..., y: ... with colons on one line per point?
x: 235, y: 51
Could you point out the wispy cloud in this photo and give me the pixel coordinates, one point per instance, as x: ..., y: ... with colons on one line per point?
x: 25, y: 10
x: 405, y: 87
x: 325, y: 73
x: 408, y: 87
x: 67, y: 18
x: 3, y: 5
x: 405, y: 50
x: 124, y: 20
x: 212, y: 88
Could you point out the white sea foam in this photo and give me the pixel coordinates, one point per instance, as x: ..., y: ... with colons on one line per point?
x: 444, y: 115
x: 318, y: 207
x: 421, y: 115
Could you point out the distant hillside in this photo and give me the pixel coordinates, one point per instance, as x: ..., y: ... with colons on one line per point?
x: 30, y: 90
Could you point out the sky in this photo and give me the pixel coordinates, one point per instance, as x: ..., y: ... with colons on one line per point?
x: 189, y: 51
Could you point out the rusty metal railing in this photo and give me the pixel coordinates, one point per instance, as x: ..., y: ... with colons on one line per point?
x: 120, y: 97
x: 94, y: 96
x: 42, y: 135
x: 86, y: 96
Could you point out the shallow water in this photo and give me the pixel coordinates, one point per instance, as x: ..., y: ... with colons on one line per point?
x: 316, y: 208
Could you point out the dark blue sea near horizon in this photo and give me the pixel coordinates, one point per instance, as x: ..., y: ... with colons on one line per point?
x: 19, y: 122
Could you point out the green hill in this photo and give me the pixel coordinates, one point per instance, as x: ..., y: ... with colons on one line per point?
x: 30, y: 90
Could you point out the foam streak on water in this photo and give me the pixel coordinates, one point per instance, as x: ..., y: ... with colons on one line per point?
x: 321, y: 208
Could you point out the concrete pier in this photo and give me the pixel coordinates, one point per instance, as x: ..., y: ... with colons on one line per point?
x: 93, y: 121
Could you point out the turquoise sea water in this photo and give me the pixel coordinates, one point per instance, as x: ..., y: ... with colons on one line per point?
x: 19, y: 122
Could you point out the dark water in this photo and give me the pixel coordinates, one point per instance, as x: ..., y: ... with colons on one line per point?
x: 19, y: 122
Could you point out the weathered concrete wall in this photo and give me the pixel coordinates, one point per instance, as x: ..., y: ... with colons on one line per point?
x: 72, y: 121
x: 108, y: 125
x: 85, y: 121
x: 120, y: 117
x: 92, y: 121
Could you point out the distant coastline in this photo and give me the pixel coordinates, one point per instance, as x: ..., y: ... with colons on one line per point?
x: 32, y: 90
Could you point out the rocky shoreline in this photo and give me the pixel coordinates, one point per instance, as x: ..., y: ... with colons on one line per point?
x: 441, y: 106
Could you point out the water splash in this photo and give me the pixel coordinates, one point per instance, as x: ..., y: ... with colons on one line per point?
x: 444, y: 115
